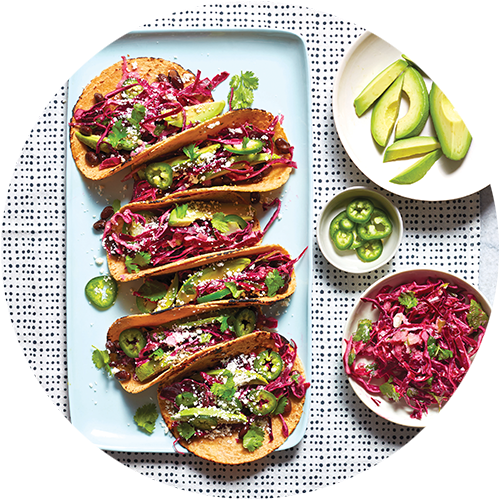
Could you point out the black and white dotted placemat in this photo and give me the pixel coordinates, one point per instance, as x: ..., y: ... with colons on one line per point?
x: 343, y: 438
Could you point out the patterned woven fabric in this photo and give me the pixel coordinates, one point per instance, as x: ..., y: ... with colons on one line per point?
x: 343, y: 437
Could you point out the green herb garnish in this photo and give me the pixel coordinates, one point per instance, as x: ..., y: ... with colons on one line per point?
x: 254, y: 438
x: 242, y: 87
x: 101, y: 360
x: 145, y: 417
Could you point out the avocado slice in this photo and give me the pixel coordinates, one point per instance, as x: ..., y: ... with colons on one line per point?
x: 413, y: 122
x: 197, y: 113
x: 184, y: 216
x: 378, y: 86
x: 242, y: 377
x: 189, y: 414
x: 385, y: 112
x: 413, y: 146
x: 417, y: 171
x: 251, y: 146
x: 150, y: 368
x: 454, y: 103
x: 91, y: 141
x: 187, y: 292
x: 426, y: 61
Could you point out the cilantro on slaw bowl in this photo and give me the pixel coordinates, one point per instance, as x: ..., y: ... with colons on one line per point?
x: 410, y: 340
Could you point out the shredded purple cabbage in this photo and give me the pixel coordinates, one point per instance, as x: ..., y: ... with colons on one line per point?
x: 420, y: 347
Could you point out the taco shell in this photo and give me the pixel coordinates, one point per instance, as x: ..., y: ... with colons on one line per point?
x: 227, y: 449
x: 148, y: 68
x: 155, y: 320
x: 276, y: 176
x: 116, y: 264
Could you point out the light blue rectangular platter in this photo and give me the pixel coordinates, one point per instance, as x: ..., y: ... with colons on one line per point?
x: 99, y: 408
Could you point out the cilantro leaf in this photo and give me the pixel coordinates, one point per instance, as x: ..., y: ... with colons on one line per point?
x: 101, y: 360
x: 254, y: 438
x: 241, y: 90
x: 281, y: 406
x: 118, y: 132
x: 476, y: 317
x: 220, y: 223
x: 274, y: 282
x: 185, y: 430
x: 138, y: 114
x: 363, y: 330
x: 192, y: 151
x: 227, y: 390
x: 387, y: 389
x: 179, y: 212
x: 157, y: 354
x: 408, y: 299
x: 436, y: 351
x: 145, y: 417
x: 153, y: 290
x: 140, y: 260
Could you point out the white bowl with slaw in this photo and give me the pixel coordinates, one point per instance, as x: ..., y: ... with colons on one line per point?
x: 399, y: 412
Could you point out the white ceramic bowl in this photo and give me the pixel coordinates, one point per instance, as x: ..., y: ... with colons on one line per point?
x: 446, y: 180
x: 347, y: 260
x: 399, y: 412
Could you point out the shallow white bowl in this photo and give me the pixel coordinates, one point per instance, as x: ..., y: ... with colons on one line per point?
x: 446, y: 180
x: 399, y: 413
x: 347, y: 260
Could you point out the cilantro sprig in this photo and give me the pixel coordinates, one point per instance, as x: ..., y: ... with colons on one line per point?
x: 241, y: 90
x: 145, y: 417
x: 274, y: 281
x: 254, y: 438
x: 133, y: 264
x: 101, y: 360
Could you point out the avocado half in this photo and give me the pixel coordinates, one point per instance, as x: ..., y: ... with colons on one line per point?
x: 454, y: 103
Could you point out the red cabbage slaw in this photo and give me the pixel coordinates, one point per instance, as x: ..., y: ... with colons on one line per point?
x: 221, y: 166
x: 166, y: 244
x: 149, y: 103
x: 289, y: 383
x: 183, y: 338
x: 420, y: 347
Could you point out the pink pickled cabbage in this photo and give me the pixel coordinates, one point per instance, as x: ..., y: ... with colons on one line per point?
x: 418, y: 353
x: 166, y: 244
x: 159, y: 99
x: 222, y: 163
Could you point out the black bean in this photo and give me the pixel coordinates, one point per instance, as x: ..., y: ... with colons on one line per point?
x: 162, y: 77
x: 98, y: 97
x: 107, y: 212
x: 175, y: 80
x: 254, y: 198
x: 86, y: 130
x: 99, y: 225
x: 122, y: 375
x: 282, y: 146
x: 92, y: 158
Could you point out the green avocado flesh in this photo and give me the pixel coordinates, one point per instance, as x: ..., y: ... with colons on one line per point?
x: 454, y: 103
x: 150, y: 368
x: 426, y: 61
x: 385, y: 112
x: 204, y: 210
x: 198, y: 113
x: 417, y: 171
x: 219, y: 414
x: 413, y: 122
x: 378, y: 86
x: 91, y: 141
x: 413, y: 146
x: 243, y: 377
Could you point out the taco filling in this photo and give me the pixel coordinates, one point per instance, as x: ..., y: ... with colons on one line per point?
x: 236, y: 155
x: 142, y: 353
x: 239, y: 396
x: 263, y: 275
x: 139, y: 113
x: 158, y: 236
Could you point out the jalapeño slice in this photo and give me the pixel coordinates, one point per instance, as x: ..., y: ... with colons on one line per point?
x: 132, y: 342
x: 378, y: 226
x: 370, y: 250
x: 359, y: 210
x: 343, y: 239
x: 269, y: 364
x: 261, y: 402
x: 159, y: 175
x: 245, y: 322
x: 102, y: 291
x: 187, y: 399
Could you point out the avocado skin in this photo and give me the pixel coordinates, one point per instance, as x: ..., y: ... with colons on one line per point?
x: 454, y: 104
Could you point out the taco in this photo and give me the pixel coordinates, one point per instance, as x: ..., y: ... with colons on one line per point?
x: 129, y: 112
x: 263, y: 274
x: 236, y: 403
x: 144, y: 349
x: 245, y: 150
x: 146, y: 238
